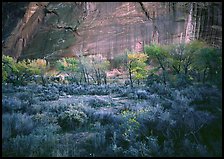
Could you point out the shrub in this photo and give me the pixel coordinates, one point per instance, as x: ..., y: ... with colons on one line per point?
x: 104, y: 117
x: 160, y: 89
x: 98, y: 141
x: 97, y: 102
x: 153, y: 78
x: 154, y: 99
x: 142, y: 94
x: 57, y: 108
x: 35, y: 108
x: 8, y: 88
x: 49, y: 93
x: 19, y: 73
x: 39, y: 144
x: 11, y: 104
x: 48, y: 96
x: 97, y: 90
x: 27, y: 98
x: 44, y: 118
x: 128, y: 92
x: 180, y: 80
x: 193, y: 149
x: 129, y: 129
x: 193, y: 93
x: 71, y: 118
x: 119, y: 61
x: 16, y: 124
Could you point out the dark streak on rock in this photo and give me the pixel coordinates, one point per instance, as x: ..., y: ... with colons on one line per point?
x: 145, y: 11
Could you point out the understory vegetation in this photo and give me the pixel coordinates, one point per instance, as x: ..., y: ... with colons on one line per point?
x: 169, y: 105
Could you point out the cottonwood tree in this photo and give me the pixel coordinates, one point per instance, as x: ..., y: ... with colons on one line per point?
x: 159, y: 56
x: 100, y: 66
x: 83, y: 69
x: 120, y: 61
x: 182, y: 57
x: 208, y: 62
x: 8, y: 68
x: 20, y: 72
x: 137, y: 66
x: 68, y: 65
x: 38, y: 67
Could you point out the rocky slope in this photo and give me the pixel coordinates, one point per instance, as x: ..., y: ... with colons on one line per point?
x: 52, y: 30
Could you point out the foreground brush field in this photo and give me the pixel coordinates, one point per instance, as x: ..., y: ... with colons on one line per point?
x: 111, y: 120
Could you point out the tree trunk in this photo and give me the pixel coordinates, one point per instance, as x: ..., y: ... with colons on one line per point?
x: 43, y: 80
x: 93, y: 78
x: 164, y: 77
x: 105, y: 78
x: 130, y: 76
x: 199, y: 77
x: 96, y: 76
x: 185, y: 70
x: 80, y: 80
x: 99, y: 76
x: 87, y: 76
x: 76, y: 80
x: 204, y: 74
x: 177, y: 69
x: 163, y: 68
x: 84, y: 74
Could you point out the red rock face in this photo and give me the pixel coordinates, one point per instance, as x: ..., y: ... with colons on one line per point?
x: 26, y: 28
x: 108, y: 28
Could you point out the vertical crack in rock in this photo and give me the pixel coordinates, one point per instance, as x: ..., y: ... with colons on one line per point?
x: 145, y: 11
x: 155, y: 33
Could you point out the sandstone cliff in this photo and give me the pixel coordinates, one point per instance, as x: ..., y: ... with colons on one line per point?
x: 63, y: 29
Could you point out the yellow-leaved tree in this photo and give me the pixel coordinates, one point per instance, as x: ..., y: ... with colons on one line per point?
x: 137, y: 66
x: 20, y: 73
x: 38, y: 67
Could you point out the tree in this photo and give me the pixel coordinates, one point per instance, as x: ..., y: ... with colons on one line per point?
x: 9, y: 68
x: 137, y: 66
x: 177, y: 58
x: 20, y: 72
x: 120, y: 61
x: 23, y: 72
x: 38, y: 67
x: 92, y: 68
x: 68, y: 65
x: 191, y: 50
x: 28, y: 68
x: 208, y: 61
x: 159, y: 56
x: 84, y: 69
x: 100, y: 66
